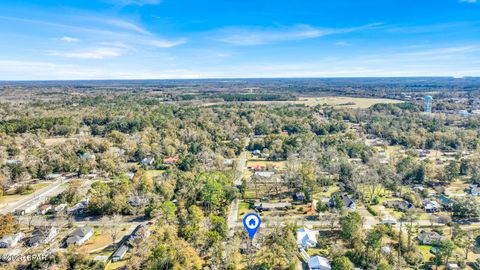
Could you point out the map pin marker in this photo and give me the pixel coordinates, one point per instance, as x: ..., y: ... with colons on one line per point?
x: 252, y: 222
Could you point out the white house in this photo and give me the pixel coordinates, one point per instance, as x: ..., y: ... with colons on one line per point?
x: 9, y: 241
x: 475, y: 190
x: 306, y: 238
x: 42, y: 235
x: 265, y: 174
x: 318, y: 263
x: 79, y: 236
x: 78, y: 208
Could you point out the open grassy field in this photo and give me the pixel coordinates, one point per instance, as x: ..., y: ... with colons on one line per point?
x: 346, y: 102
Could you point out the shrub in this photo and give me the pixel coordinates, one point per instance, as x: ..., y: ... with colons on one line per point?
x: 371, y: 210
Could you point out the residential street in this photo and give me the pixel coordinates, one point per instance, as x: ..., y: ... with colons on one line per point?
x: 49, y: 191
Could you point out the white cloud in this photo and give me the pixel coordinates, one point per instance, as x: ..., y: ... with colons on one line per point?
x: 98, y: 29
x: 127, y: 26
x: 246, y: 36
x: 342, y: 43
x: 69, y: 39
x: 468, y: 1
x: 94, y: 53
x: 165, y: 43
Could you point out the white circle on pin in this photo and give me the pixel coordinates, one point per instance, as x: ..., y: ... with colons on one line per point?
x: 252, y: 222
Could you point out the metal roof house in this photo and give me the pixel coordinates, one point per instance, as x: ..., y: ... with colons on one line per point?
x: 119, y: 253
x: 318, y: 263
x: 306, y: 238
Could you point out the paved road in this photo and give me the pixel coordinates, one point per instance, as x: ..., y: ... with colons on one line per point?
x: 63, y: 221
x: 51, y: 190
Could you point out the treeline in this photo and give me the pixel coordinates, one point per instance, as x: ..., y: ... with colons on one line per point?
x: 239, y: 97
x: 55, y: 125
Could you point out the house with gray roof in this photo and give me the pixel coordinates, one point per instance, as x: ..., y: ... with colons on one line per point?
x: 9, y: 241
x: 79, y: 236
x: 42, y: 235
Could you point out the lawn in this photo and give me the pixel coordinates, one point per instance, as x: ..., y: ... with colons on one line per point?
x: 279, y: 165
x: 243, y: 208
x: 316, y: 251
x: 425, y: 251
x: 99, y: 240
x: 154, y: 173
x: 117, y: 265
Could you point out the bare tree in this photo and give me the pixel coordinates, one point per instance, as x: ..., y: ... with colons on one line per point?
x: 112, y: 224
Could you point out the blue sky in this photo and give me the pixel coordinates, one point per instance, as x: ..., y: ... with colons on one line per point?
x: 163, y: 39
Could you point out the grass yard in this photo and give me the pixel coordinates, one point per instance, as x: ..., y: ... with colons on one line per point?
x: 279, y: 165
x: 456, y: 188
x: 117, y: 265
x: 425, y: 251
x: 154, y: 173
x: 316, y: 251
x: 99, y: 240
x: 243, y: 208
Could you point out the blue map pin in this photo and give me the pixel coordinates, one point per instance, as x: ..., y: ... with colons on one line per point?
x: 252, y: 222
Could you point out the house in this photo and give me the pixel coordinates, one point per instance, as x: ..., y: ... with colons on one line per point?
x: 474, y: 190
x: 258, y: 168
x: 228, y: 162
x: 318, y: 263
x: 147, y: 161
x: 79, y: 236
x: 100, y: 258
x: 399, y: 205
x: 119, y: 253
x: 428, y: 238
x: 347, y: 202
x: 30, y: 207
x: 452, y: 266
x: 306, y: 238
x: 130, y: 175
x: 42, y: 235
x: 60, y: 208
x: 43, y: 209
x: 9, y: 241
x: 444, y: 201
x: 263, y: 206
x: 431, y: 206
x: 265, y: 174
x: 78, y: 208
x: 11, y: 161
x: 136, y: 201
x: 53, y: 176
x: 170, y: 161
x: 140, y: 232
x: 389, y: 220
x: 299, y: 197
x: 256, y: 152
